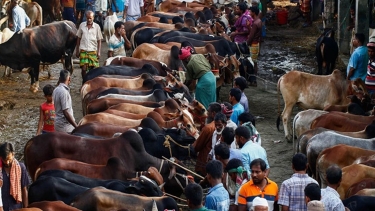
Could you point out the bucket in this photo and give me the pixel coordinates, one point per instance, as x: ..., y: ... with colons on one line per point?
x: 282, y: 17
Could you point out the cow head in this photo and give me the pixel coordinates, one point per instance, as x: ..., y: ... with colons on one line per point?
x: 147, y: 187
x: 198, y: 111
x: 184, y: 120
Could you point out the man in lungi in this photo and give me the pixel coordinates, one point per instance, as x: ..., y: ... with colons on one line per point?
x: 198, y: 68
x: 253, y: 42
x: 88, y: 44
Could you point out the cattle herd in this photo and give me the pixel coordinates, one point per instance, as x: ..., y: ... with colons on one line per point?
x: 137, y: 110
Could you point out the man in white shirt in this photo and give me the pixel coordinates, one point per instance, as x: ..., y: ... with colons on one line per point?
x: 133, y: 9
x: 89, y: 44
x: 330, y: 197
x: 116, y: 43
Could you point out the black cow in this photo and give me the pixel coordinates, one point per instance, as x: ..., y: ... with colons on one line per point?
x: 246, y: 69
x: 177, y: 19
x: 144, y: 186
x: 360, y: 203
x: 116, y: 90
x: 158, y: 146
x: 144, y: 35
x: 120, y: 70
x: 326, y: 52
x: 203, y: 37
x: 47, y: 43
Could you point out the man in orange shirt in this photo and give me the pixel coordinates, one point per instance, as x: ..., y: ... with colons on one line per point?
x: 260, y: 186
x: 203, y: 144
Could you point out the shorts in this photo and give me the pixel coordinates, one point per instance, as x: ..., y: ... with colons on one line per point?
x: 254, y: 51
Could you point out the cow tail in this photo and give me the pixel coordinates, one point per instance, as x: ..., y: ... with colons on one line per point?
x: 278, y: 106
x: 293, y: 130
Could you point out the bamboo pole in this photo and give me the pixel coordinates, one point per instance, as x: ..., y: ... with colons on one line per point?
x: 188, y: 170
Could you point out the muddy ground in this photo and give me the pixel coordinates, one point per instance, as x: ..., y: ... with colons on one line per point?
x: 285, y: 48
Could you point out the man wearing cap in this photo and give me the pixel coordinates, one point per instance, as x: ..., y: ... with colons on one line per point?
x: 258, y: 186
x: 259, y: 204
x: 241, y: 83
x: 198, y: 68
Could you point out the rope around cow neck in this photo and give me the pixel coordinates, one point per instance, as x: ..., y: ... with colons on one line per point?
x: 168, y: 144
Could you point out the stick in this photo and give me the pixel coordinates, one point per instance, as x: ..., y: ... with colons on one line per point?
x: 188, y: 170
x: 174, y: 197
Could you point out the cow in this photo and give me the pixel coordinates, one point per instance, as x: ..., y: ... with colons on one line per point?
x: 51, y: 9
x: 156, y: 96
x: 100, y: 129
x: 366, y: 192
x: 124, y: 114
x: 344, y: 122
x: 108, y: 118
x: 302, y: 122
x: 341, y: 155
x: 159, y: 145
x: 143, y: 35
x: 97, y: 82
x: 122, y: 70
x: 39, y: 44
x: 109, y: 26
x: 360, y: 203
x: 99, y: 105
x: 128, y: 147
x: 353, y: 174
x: 143, y: 186
x: 114, y: 169
x: 310, y: 91
x: 328, y: 139
x: 103, y: 199
x: 151, y: 52
x: 52, y: 206
x: 326, y: 52
x: 32, y: 209
x: 355, y: 188
x: 134, y: 62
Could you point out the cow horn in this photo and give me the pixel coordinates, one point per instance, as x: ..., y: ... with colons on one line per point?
x: 162, y: 185
x: 355, y: 88
x: 154, y: 207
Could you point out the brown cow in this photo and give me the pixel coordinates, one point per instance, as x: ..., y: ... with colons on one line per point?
x: 99, y: 198
x: 30, y: 209
x: 366, y: 192
x: 100, y: 129
x: 133, y: 108
x: 344, y: 122
x: 124, y: 114
x: 311, y: 91
x: 103, y: 104
x: 109, y: 119
x: 353, y: 174
x: 98, y: 82
x: 51, y: 9
x: 52, y: 206
x: 114, y: 169
x: 363, y: 184
x: 341, y: 155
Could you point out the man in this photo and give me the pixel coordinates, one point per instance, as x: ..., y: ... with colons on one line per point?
x: 101, y: 7
x: 217, y: 197
x: 69, y: 10
x: 204, y: 142
x: 249, y: 150
x: 312, y: 198
x: 305, y: 8
x: 89, y: 44
x: 228, y: 137
x: 64, y: 120
x: 247, y: 120
x: 330, y: 197
x: 242, y: 24
x: 19, y: 19
x: 254, y: 40
x: 241, y: 83
x: 234, y: 99
x: 234, y: 178
x: 227, y: 109
x: 259, y: 185
x: 194, y: 197
x: 259, y: 204
x: 198, y: 68
x: 133, y: 9
x: 291, y: 194
x: 220, y: 123
x: 15, y: 179
x: 116, y: 43
x: 370, y: 78
x: 357, y: 67
x: 224, y: 154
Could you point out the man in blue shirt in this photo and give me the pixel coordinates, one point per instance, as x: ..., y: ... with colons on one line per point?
x: 249, y: 149
x: 241, y: 83
x: 234, y: 99
x: 357, y: 67
x: 19, y: 17
x: 217, y: 198
x: 194, y: 197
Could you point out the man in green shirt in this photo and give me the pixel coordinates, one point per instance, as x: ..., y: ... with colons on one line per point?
x: 194, y: 197
x: 198, y: 68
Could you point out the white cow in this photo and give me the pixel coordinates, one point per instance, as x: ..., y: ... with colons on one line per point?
x: 109, y: 26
